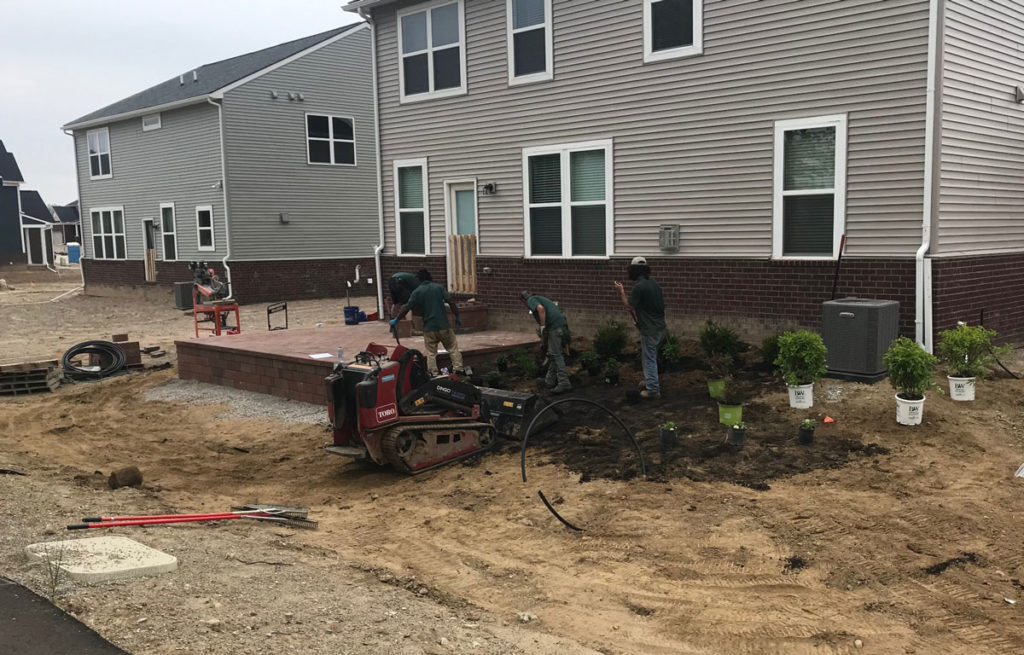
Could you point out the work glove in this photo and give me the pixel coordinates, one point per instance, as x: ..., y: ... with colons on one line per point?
x: 458, y: 321
x: 393, y: 322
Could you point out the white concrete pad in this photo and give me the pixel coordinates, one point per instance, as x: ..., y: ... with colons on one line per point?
x: 100, y: 559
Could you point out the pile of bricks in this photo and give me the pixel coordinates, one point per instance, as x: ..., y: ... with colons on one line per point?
x: 29, y: 377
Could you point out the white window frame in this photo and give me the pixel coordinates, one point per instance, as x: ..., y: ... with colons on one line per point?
x: 412, y: 163
x: 566, y: 202
x: 431, y: 94
x: 123, y: 234
x: 99, y: 153
x: 199, y: 230
x: 153, y: 126
x: 163, y: 235
x: 331, y: 139
x: 547, y: 74
x: 697, y: 48
x: 839, y: 122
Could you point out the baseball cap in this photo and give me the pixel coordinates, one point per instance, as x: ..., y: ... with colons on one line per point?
x: 525, y: 295
x: 638, y: 261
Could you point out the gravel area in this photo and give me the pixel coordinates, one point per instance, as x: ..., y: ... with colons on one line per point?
x: 244, y: 404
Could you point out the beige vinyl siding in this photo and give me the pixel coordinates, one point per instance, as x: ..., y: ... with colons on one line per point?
x: 982, y: 197
x: 693, y: 137
x: 179, y: 163
x: 332, y: 209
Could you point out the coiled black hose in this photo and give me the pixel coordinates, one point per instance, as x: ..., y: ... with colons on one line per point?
x: 112, y: 360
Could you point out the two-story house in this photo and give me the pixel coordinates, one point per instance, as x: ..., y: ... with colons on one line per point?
x: 12, y: 243
x: 737, y: 144
x: 263, y: 165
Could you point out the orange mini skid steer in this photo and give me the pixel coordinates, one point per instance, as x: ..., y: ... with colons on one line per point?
x: 384, y: 407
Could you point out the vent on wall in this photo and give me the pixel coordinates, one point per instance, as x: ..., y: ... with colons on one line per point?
x: 668, y: 238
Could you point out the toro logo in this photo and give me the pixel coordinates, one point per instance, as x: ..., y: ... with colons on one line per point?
x: 386, y: 412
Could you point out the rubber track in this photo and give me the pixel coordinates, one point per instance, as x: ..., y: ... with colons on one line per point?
x: 390, y: 438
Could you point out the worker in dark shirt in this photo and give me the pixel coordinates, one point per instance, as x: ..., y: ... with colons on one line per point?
x: 555, y: 331
x: 648, y: 307
x: 401, y: 285
x: 430, y: 299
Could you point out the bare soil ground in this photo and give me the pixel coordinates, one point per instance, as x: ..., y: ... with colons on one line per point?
x: 877, y: 538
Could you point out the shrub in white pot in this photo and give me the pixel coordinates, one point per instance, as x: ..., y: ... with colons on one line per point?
x: 969, y: 354
x: 910, y: 373
x: 801, y: 361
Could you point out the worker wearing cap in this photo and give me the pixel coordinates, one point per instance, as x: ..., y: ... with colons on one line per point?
x: 401, y: 285
x: 648, y: 307
x: 430, y: 298
x: 555, y: 330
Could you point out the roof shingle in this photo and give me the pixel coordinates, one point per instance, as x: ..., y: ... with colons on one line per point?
x: 32, y: 205
x: 9, y: 166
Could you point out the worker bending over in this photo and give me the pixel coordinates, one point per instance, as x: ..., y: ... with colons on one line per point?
x: 430, y: 298
x: 401, y: 285
x: 554, y: 331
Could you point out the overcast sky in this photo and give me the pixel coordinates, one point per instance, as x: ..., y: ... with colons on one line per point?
x: 61, y: 59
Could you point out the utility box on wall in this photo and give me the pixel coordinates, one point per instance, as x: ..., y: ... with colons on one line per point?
x: 857, y: 332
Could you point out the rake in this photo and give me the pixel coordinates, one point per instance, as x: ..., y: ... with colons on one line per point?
x: 291, y: 516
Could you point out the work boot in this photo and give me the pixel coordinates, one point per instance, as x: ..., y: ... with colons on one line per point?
x: 561, y: 388
x: 650, y: 395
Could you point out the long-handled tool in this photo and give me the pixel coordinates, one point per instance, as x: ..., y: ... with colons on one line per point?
x: 293, y: 516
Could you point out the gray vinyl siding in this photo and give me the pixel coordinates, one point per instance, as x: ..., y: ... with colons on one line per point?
x: 179, y: 163
x: 332, y: 209
x: 982, y: 158
x: 693, y: 137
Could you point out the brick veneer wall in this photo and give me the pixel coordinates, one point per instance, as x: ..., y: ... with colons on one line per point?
x: 106, y: 272
x: 254, y: 372
x: 755, y: 295
x: 976, y: 290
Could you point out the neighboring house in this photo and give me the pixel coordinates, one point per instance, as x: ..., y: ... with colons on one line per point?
x: 732, y: 143
x: 265, y: 162
x: 37, y: 223
x: 12, y: 245
x: 68, y: 229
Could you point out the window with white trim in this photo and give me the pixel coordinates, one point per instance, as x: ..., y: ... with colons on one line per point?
x: 99, y: 153
x: 108, y: 233
x: 432, y: 52
x: 810, y: 187
x: 529, y: 41
x: 168, y: 232
x: 412, y: 207
x: 204, y: 227
x: 568, y: 199
x: 673, y: 28
x: 330, y: 139
x: 151, y: 122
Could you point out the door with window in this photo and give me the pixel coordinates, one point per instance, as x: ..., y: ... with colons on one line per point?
x: 149, y: 248
x: 462, y: 236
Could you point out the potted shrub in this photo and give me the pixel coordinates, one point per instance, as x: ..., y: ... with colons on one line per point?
x: 502, y: 363
x: 669, y: 434
x: 720, y: 345
x: 910, y: 373
x: 801, y: 362
x: 969, y: 354
x: 806, y: 432
x: 737, y: 434
x: 730, y: 405
x: 590, y: 362
x: 611, y: 371
x: 526, y: 362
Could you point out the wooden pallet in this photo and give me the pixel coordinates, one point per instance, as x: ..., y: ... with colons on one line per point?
x: 22, y: 367
x: 34, y: 380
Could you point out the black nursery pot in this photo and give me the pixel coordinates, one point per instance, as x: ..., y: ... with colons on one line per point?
x: 805, y: 435
x: 737, y: 436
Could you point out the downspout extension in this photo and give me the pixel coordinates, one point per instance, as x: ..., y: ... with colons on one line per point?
x: 224, y: 189
x: 923, y: 269
x: 379, y: 248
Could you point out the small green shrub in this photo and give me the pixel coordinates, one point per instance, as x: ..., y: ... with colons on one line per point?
x: 493, y: 379
x: 525, y: 361
x: 910, y: 368
x: 739, y: 426
x: 801, y: 358
x: 968, y: 351
x: 717, y: 339
x: 610, y: 339
x: 668, y: 425
x: 611, y: 369
x: 589, y: 359
x: 732, y: 393
x: 671, y: 349
x: 808, y: 423
x: 770, y: 350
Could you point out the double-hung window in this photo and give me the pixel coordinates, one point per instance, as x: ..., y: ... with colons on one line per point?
x: 810, y: 187
x: 431, y: 47
x: 108, y: 233
x: 568, y: 199
x: 673, y: 28
x: 204, y: 227
x: 99, y: 153
x: 529, y: 41
x: 330, y: 140
x: 412, y: 207
x: 169, y: 233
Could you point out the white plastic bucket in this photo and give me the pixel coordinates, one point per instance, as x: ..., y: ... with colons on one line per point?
x: 909, y: 412
x: 961, y: 388
x: 801, y: 396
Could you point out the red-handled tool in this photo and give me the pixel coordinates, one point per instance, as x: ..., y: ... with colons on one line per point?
x: 101, y: 519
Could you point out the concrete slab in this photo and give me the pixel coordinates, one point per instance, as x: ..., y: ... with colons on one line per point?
x: 101, y: 559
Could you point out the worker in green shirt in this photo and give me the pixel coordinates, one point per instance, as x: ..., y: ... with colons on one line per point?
x: 555, y: 331
x: 648, y: 307
x: 401, y: 285
x: 430, y: 299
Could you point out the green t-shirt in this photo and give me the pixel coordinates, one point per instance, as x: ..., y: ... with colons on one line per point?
x: 554, y: 318
x: 429, y: 298
x: 649, y: 306
x: 408, y: 280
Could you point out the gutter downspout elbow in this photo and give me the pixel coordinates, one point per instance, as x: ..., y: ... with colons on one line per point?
x: 224, y: 189
x: 379, y: 248
x: 923, y: 272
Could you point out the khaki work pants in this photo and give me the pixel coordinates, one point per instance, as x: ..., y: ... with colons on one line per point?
x: 446, y: 337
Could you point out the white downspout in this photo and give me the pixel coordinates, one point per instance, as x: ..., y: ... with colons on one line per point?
x: 81, y: 218
x: 224, y: 188
x: 379, y: 248
x: 923, y: 269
